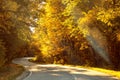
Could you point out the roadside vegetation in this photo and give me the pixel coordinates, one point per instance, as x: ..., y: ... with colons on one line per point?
x: 77, y: 32
x: 107, y: 71
x: 103, y: 70
x: 15, y: 36
x: 10, y: 71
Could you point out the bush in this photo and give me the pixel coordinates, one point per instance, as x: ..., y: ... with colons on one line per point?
x: 2, y: 54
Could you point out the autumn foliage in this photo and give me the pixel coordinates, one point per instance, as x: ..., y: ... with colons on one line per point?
x: 14, y: 29
x: 80, y: 32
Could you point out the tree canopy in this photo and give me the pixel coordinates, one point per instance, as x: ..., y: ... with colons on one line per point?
x: 82, y: 32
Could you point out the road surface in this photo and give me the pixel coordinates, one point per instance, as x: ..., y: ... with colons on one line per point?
x: 58, y: 72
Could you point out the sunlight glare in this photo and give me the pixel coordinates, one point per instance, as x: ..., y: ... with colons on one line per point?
x: 32, y: 29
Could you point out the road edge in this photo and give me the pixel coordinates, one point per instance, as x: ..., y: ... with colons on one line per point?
x: 24, y: 75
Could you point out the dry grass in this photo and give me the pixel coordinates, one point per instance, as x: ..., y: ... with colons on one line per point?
x: 10, y: 71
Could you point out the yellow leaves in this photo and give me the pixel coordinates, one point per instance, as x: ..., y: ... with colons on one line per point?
x: 50, y: 29
x: 35, y: 58
x: 105, y: 16
x: 70, y: 6
x: 109, y: 15
x: 57, y: 28
x: 83, y: 26
x: 44, y: 49
x: 20, y: 18
x: 65, y: 1
x: 10, y: 5
x: 69, y: 22
x: 83, y: 46
x: 53, y: 7
x: 48, y: 9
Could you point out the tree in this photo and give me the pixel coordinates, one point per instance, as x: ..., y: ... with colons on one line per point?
x: 16, y: 18
x: 78, y: 32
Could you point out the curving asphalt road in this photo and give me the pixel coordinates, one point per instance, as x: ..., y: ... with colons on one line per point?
x: 58, y: 72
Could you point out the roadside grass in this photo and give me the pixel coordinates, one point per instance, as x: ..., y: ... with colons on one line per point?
x: 107, y: 71
x: 10, y: 71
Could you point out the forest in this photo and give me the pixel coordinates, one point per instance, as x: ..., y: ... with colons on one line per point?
x: 77, y: 32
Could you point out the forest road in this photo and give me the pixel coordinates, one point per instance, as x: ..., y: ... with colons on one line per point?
x: 58, y: 72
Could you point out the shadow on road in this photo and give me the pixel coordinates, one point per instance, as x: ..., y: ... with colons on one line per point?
x: 59, y: 72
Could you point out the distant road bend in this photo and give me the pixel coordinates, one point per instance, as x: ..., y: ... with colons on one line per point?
x: 58, y: 72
